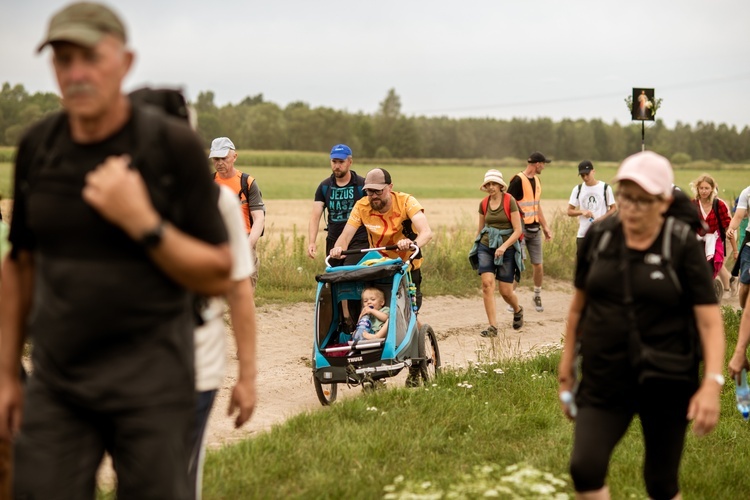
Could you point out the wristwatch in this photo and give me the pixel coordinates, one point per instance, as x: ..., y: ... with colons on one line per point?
x: 152, y: 238
x: 716, y: 377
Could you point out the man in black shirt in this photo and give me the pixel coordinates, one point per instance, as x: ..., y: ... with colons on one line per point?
x: 337, y: 195
x: 99, y: 282
x: 526, y: 188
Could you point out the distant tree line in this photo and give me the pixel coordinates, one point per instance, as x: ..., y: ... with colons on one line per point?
x: 255, y: 123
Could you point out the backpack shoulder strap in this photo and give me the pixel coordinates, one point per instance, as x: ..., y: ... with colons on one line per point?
x: 718, y: 218
x: 578, y: 192
x: 604, y: 232
x: 672, y: 228
x: 149, y: 153
x: 485, y: 205
x: 506, y: 204
x: 606, y: 201
x: 244, y: 187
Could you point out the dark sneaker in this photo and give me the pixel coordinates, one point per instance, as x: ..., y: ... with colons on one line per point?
x: 414, y: 377
x: 538, y: 303
x: 518, y: 319
x: 491, y: 331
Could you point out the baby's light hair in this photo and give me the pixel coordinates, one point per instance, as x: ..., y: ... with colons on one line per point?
x: 377, y: 291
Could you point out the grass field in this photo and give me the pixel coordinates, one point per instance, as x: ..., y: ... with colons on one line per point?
x: 440, y: 180
x: 498, y: 433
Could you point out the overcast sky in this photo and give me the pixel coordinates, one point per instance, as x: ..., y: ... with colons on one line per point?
x: 504, y: 59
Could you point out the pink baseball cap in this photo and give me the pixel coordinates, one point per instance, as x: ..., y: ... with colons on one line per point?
x: 649, y: 170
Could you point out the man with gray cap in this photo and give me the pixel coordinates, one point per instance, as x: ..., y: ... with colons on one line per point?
x: 391, y: 218
x: 224, y: 155
x: 109, y: 283
x: 590, y: 201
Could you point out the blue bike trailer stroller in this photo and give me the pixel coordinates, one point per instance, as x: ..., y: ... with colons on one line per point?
x: 407, y: 344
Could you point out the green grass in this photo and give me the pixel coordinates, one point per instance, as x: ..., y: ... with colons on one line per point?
x: 6, y: 180
x: 445, y: 181
x: 285, y: 175
x: 455, y: 440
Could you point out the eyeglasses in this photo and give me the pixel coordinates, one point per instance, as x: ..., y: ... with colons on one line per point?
x: 373, y: 192
x: 637, y: 203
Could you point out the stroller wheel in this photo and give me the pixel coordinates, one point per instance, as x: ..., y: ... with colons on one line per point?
x: 326, y: 392
x: 428, y: 366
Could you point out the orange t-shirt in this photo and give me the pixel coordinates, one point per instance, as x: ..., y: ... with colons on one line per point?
x: 387, y: 229
x: 235, y: 185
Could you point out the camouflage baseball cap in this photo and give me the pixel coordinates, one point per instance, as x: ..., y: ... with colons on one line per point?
x: 83, y: 24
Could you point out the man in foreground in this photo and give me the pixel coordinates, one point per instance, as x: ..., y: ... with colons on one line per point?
x: 526, y: 188
x: 112, y: 323
x: 391, y: 218
x: 224, y: 155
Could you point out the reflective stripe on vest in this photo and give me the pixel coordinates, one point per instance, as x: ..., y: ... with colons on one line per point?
x: 529, y: 204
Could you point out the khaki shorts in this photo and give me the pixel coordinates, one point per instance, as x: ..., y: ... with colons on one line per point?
x: 532, y: 245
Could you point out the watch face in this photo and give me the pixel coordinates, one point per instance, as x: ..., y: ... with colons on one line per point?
x: 152, y: 238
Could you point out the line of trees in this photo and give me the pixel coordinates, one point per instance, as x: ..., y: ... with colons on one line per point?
x: 255, y: 123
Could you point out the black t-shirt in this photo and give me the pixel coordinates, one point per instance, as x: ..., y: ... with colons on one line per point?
x: 108, y: 327
x: 663, y: 314
x: 338, y: 202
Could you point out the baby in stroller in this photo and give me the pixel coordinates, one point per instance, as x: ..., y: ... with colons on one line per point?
x: 373, y: 320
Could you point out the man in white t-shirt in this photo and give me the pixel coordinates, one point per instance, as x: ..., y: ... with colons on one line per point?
x: 210, y: 347
x: 590, y: 201
x: 744, y: 255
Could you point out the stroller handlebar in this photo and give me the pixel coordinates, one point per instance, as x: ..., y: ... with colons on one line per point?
x: 413, y: 246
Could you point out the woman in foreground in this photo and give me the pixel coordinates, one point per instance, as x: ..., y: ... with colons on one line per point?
x: 640, y: 309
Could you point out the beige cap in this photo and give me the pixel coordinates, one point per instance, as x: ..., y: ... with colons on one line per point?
x: 83, y: 24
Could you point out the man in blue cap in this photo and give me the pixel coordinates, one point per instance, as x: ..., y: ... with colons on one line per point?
x: 337, y: 195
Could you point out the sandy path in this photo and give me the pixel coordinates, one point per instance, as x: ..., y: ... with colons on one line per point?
x: 285, y: 385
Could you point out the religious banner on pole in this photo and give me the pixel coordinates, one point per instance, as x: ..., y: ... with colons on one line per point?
x: 643, y: 105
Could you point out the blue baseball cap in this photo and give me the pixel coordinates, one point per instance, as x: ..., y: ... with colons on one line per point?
x: 340, y: 152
